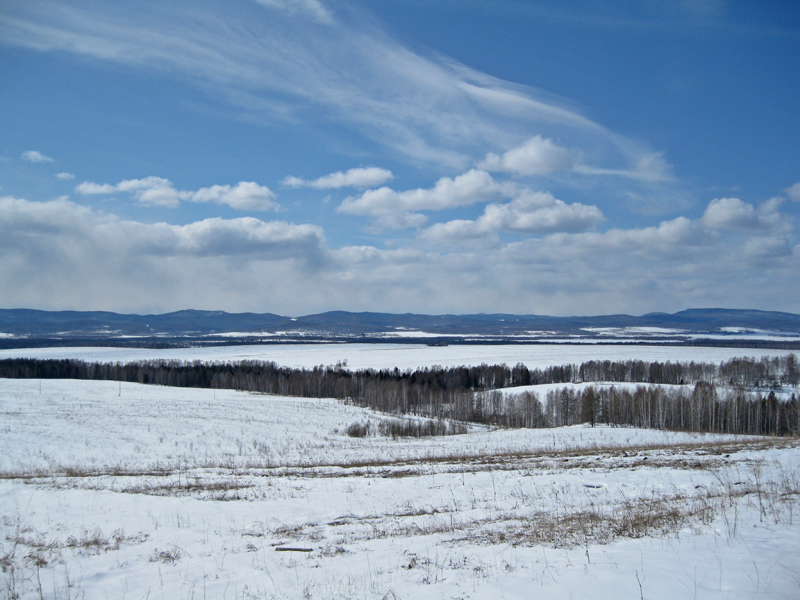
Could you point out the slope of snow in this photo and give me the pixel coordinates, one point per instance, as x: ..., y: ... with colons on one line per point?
x: 131, y: 491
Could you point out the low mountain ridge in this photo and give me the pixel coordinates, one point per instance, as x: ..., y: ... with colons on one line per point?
x: 203, y: 326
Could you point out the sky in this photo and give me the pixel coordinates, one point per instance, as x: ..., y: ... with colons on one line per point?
x: 428, y: 156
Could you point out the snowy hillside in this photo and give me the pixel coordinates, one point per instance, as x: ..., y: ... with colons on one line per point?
x: 135, y: 491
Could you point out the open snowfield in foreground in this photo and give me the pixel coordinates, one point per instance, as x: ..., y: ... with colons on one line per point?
x: 133, y: 491
x: 402, y: 356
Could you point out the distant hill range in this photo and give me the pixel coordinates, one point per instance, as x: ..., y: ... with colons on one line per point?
x: 26, y: 327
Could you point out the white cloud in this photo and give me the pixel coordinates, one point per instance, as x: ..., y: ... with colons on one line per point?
x: 219, y: 237
x: 35, y: 156
x: 668, y: 238
x: 246, y: 195
x: 244, y: 236
x: 730, y: 213
x: 793, y: 192
x: 153, y: 191
x: 88, y: 188
x: 537, y: 156
x: 540, y: 212
x: 734, y: 214
x: 64, y: 176
x: 157, y: 191
x: 529, y: 212
x: 457, y: 232
x: 359, y: 177
x: 469, y: 188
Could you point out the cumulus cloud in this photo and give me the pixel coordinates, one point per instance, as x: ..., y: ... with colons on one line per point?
x: 22, y: 220
x: 537, y: 156
x: 540, y: 212
x: 668, y: 238
x: 219, y: 237
x: 529, y: 212
x: 246, y: 195
x: 469, y: 188
x: 157, y: 191
x: 88, y: 188
x: 734, y: 214
x: 244, y: 236
x: 153, y: 191
x: 35, y: 156
x: 359, y: 177
x: 64, y: 176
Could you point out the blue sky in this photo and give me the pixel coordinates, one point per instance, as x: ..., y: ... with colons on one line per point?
x: 438, y: 156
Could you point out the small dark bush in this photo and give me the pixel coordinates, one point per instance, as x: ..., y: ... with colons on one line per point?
x: 405, y: 428
x: 358, y: 430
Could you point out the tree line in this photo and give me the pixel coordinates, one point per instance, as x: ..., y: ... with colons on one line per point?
x: 702, y: 407
x: 736, y: 396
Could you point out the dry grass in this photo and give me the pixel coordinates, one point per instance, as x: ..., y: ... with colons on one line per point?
x: 225, y: 482
x: 568, y: 524
x: 30, y: 552
x: 693, y: 455
x: 571, y: 519
x: 518, y: 516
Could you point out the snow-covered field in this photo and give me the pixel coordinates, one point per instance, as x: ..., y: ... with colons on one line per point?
x: 402, y: 356
x: 132, y: 491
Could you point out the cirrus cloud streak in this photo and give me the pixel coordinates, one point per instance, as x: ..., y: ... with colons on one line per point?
x: 271, y: 60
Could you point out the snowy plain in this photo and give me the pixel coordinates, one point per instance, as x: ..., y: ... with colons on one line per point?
x: 115, y: 490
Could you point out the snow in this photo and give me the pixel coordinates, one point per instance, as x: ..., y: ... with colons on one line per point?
x: 402, y: 356
x: 635, y: 331
x: 132, y: 491
x: 240, y: 334
x: 755, y: 336
x: 651, y: 334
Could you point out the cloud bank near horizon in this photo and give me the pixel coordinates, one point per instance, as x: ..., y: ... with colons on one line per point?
x: 245, y: 264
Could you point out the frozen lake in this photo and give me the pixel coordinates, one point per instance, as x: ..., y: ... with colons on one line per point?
x: 402, y: 356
